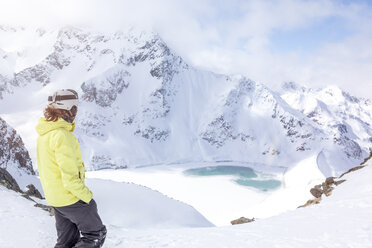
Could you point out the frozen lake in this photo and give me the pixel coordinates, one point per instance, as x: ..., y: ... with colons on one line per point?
x: 220, y: 192
x: 243, y: 176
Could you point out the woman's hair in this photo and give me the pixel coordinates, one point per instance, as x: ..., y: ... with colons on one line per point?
x: 52, y: 114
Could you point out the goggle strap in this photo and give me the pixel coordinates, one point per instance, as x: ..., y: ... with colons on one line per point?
x: 61, y: 98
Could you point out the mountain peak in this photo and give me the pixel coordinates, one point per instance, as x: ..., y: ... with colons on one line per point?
x: 140, y: 99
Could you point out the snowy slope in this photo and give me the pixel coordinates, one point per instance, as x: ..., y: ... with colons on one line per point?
x: 19, y: 216
x: 341, y: 220
x: 120, y: 206
x: 132, y: 206
x: 142, y: 104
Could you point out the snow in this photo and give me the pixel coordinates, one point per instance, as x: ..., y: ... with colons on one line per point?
x: 304, y: 174
x: 213, y: 197
x: 133, y: 206
x: 341, y: 220
x: 22, y: 224
x: 194, y: 117
x: 27, y: 46
x: 121, y: 205
x: 6, y: 64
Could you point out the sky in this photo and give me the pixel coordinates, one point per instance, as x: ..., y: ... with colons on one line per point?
x: 315, y: 43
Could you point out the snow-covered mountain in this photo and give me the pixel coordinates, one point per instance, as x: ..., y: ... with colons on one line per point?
x: 143, y: 104
x: 345, y: 119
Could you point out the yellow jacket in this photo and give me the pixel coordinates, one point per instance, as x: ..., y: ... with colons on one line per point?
x: 60, y: 164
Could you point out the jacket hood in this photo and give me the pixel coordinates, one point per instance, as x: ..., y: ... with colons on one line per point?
x: 45, y: 126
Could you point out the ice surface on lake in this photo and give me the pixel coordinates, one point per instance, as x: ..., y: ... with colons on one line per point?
x: 244, y: 176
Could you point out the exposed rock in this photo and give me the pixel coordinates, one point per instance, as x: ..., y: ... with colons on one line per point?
x: 367, y: 158
x: 352, y: 169
x: 13, y: 153
x: 316, y: 192
x: 311, y: 202
x: 350, y: 147
x: 153, y: 134
x: 326, y: 187
x: 329, y: 180
x: 104, y: 91
x: 46, y: 208
x: 8, y: 181
x: 101, y: 160
x: 12, y: 150
x: 339, y: 182
x: 93, y: 124
x: 32, y: 191
x: 104, y: 161
x: 219, y: 130
x: 39, y: 73
x: 241, y: 220
x: 357, y: 167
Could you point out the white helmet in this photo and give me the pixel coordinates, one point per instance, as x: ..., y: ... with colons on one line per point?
x: 64, y: 99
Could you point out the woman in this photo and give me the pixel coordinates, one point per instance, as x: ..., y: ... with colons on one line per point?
x: 62, y: 175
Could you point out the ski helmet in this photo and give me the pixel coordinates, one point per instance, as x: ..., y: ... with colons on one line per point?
x: 64, y: 99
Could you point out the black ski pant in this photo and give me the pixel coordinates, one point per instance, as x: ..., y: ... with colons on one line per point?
x: 77, y: 218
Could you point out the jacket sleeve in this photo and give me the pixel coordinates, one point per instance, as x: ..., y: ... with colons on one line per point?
x: 67, y: 161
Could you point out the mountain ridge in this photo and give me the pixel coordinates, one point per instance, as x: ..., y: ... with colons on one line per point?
x: 142, y: 104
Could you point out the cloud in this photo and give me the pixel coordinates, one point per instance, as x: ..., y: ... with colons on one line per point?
x: 236, y: 36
